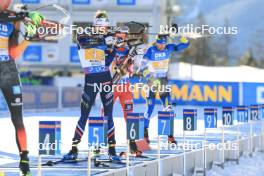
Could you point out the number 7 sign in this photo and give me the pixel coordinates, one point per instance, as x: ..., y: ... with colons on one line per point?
x: 165, y: 123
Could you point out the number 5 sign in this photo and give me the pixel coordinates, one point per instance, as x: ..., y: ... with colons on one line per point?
x: 97, y: 131
x: 227, y: 113
x: 135, y: 126
x: 165, y: 123
x: 190, y: 119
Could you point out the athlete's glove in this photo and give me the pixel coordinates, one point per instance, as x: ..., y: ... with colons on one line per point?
x: 36, y: 17
x: 31, y: 30
x: 117, y: 70
x: 183, y: 39
x: 157, y: 83
x: 146, y: 73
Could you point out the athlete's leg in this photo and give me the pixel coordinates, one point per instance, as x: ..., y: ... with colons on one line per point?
x: 107, y: 98
x: 126, y: 100
x: 151, y: 101
x: 116, y: 95
x: 165, y: 97
x: 13, y: 97
x: 87, y: 101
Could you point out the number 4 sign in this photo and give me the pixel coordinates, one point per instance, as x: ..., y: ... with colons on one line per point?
x: 135, y: 126
x: 190, y: 119
x: 165, y: 123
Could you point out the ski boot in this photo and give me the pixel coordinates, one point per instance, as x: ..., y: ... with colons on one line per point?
x: 113, y: 157
x: 171, y: 140
x: 134, y: 149
x: 168, y: 108
x: 72, y: 155
x: 146, y: 136
x: 24, y: 164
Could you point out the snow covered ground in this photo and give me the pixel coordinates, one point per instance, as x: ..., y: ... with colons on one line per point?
x: 69, y: 118
x: 248, y: 167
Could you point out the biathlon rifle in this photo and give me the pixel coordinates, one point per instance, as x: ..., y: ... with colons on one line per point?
x: 21, y: 13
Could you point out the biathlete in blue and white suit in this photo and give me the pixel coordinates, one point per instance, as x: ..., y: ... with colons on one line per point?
x: 155, y: 65
x: 95, y: 55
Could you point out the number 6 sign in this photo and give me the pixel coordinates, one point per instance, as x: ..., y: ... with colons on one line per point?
x: 135, y: 126
x: 189, y: 119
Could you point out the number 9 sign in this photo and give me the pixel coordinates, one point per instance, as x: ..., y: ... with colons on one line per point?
x: 135, y: 126
x: 165, y: 123
x: 97, y: 131
x: 227, y: 113
x: 190, y: 119
x: 210, y: 118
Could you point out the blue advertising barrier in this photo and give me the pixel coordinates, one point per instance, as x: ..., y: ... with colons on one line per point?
x: 71, y: 96
x: 33, y: 53
x: 197, y: 93
x: 40, y: 97
x: 81, y: 2
x: 74, y: 57
x: 253, y: 93
x: 30, y: 1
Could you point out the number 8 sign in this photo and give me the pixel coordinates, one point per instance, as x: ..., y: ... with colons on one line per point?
x: 227, y: 113
x: 190, y: 119
x: 135, y: 126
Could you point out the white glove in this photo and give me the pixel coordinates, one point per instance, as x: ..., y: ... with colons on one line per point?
x: 109, y: 40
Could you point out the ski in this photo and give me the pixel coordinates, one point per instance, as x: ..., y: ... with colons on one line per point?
x: 63, y: 161
x: 106, y: 162
x: 124, y: 154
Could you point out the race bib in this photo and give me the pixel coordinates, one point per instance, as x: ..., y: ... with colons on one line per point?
x: 159, y: 66
x: 4, y: 53
x: 92, y: 57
